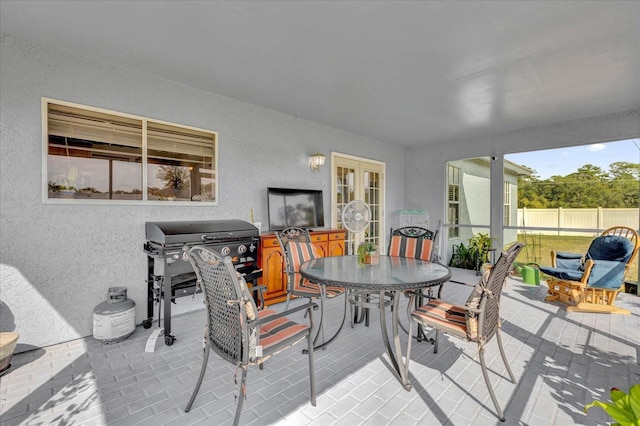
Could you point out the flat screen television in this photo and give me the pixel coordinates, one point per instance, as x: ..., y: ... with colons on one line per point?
x: 295, y: 207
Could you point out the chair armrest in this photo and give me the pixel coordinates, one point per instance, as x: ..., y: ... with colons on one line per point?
x: 567, y: 255
x: 461, y: 283
x: 259, y: 291
x: 566, y: 260
x: 418, y: 293
x: 258, y: 288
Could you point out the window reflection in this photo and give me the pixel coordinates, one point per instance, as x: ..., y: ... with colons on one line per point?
x: 84, y: 169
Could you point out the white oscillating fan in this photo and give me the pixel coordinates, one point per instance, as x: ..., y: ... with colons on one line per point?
x: 356, y: 216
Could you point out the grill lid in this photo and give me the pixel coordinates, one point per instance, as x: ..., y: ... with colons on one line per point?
x: 198, y: 231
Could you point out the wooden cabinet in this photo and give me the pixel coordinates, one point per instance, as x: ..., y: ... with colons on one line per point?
x: 329, y: 242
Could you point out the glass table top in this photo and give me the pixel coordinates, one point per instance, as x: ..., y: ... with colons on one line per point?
x: 391, y: 273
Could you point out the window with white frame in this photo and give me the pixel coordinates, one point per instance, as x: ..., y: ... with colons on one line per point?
x: 506, y: 208
x: 95, y: 154
x: 453, y: 179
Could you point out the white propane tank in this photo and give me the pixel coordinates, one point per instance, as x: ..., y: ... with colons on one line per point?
x: 115, y: 319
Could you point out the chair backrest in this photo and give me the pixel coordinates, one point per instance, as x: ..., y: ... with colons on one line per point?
x: 612, y: 254
x: 629, y: 234
x: 297, y: 253
x: 489, y: 291
x: 412, y: 241
x: 300, y: 240
x: 292, y: 234
x: 229, y: 305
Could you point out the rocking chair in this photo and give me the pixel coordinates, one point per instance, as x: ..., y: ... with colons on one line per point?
x: 591, y: 283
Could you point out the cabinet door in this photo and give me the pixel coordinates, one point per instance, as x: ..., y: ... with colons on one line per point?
x: 336, y: 245
x: 273, y: 276
x: 319, y: 241
x: 272, y: 263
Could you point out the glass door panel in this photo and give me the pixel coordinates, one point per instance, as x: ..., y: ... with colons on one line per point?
x: 358, y: 179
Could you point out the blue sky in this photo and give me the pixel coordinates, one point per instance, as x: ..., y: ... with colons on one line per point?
x: 564, y: 161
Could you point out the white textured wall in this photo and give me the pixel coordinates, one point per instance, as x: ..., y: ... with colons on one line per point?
x: 426, y: 183
x: 57, y: 261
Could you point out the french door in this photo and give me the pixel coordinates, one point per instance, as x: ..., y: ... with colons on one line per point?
x: 355, y: 178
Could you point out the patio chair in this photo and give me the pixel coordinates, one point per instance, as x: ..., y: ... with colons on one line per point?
x: 478, y: 320
x: 591, y: 283
x: 418, y: 243
x: 297, y: 248
x: 236, y: 330
x: 409, y: 241
x: 412, y: 241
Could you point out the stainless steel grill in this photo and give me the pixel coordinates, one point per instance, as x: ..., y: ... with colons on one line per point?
x: 169, y: 272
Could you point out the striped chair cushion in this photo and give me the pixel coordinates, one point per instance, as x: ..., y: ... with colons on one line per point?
x: 417, y: 248
x: 455, y: 319
x: 297, y: 253
x: 279, y: 333
x: 443, y: 315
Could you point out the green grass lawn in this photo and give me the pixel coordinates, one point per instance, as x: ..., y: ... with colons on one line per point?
x: 538, y: 249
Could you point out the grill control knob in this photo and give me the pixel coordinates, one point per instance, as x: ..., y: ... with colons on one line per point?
x: 252, y: 248
x: 242, y: 249
x: 225, y: 251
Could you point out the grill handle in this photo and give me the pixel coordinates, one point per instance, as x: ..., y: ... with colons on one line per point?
x: 206, y: 237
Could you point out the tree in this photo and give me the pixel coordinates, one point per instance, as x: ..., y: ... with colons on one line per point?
x: 625, y: 183
x: 589, y: 186
x: 528, y: 192
x: 175, y: 177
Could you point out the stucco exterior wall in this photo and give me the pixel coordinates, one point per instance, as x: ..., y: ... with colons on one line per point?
x: 58, y: 261
x: 475, y: 205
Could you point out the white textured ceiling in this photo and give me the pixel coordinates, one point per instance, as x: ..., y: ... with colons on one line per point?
x: 410, y: 73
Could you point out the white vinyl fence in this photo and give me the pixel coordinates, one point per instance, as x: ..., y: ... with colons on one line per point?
x: 596, y: 218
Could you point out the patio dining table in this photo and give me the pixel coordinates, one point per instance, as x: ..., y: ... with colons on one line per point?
x: 391, y: 276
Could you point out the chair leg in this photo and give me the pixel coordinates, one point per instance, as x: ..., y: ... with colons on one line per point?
x: 365, y: 311
x: 359, y: 314
x: 240, y: 396
x: 286, y: 304
x: 321, y: 322
x: 409, y: 340
x: 435, y: 343
x: 352, y: 315
x: 312, y: 371
x: 199, y: 382
x: 420, y: 334
x: 504, y: 357
x: 485, y: 373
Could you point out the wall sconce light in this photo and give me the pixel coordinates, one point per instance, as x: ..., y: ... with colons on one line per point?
x: 317, y: 160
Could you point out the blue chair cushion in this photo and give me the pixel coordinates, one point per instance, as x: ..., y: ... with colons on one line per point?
x: 607, y: 274
x: 568, y: 260
x: 604, y: 274
x: 610, y: 247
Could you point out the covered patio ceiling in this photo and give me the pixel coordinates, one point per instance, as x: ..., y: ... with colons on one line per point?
x: 408, y: 73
